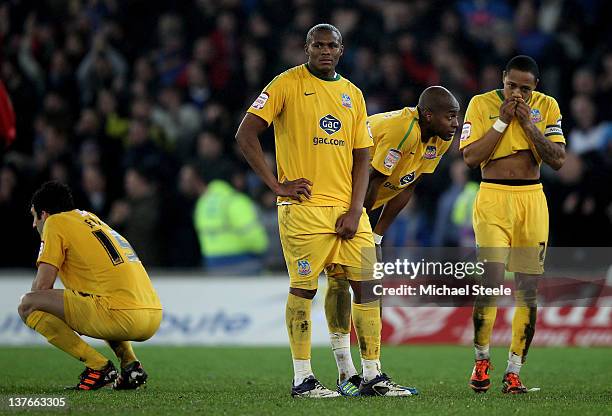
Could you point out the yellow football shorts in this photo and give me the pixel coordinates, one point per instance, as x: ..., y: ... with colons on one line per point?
x: 310, y: 244
x: 511, y: 226
x: 91, y: 315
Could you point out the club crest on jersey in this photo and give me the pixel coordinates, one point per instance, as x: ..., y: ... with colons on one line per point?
x: 430, y: 152
x: 392, y: 158
x: 330, y: 124
x: 303, y: 267
x: 536, y: 116
x: 260, y: 101
x: 346, y: 101
x: 406, y: 179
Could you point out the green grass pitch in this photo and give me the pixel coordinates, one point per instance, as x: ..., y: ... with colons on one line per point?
x: 246, y: 381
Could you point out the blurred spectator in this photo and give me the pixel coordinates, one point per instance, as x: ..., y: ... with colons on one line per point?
x: 179, y: 121
x: 138, y: 216
x: 446, y: 232
x: 410, y: 228
x: 140, y: 147
x: 15, y: 220
x: 587, y: 135
x: 462, y: 214
x: 102, y: 67
x: 232, y: 238
x: 209, y: 146
x: 94, y: 189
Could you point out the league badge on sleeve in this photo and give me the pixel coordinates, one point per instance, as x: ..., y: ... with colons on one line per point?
x: 466, y: 131
x: 42, y: 247
x: 260, y: 102
x: 536, y: 116
x: 346, y: 101
x: 304, y: 267
x: 430, y: 152
x: 392, y: 158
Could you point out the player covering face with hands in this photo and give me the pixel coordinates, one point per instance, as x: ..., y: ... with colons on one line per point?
x: 322, y: 153
x: 509, y: 133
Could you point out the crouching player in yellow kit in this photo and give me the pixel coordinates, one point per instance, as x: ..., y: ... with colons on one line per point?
x: 509, y: 133
x: 322, y: 157
x: 107, y: 295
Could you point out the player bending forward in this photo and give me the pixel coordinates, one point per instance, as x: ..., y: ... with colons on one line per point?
x: 407, y: 143
x: 108, y: 293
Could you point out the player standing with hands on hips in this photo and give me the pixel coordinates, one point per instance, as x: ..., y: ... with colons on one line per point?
x: 509, y: 133
x: 322, y: 153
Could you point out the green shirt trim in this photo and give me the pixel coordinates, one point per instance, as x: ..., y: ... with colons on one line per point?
x: 399, y: 146
x: 336, y: 78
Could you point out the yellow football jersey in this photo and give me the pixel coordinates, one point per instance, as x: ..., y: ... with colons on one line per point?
x: 483, y: 110
x: 94, y: 259
x: 317, y: 124
x: 399, y: 151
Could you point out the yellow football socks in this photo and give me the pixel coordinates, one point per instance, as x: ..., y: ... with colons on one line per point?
x: 338, y: 306
x: 123, y: 350
x: 523, y: 329
x: 338, y: 314
x: 484, y: 319
x: 368, y: 324
x: 297, y: 316
x: 59, y: 334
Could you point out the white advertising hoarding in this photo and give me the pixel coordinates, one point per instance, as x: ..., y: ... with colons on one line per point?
x: 205, y: 311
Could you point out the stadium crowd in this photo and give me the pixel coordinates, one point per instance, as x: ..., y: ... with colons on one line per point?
x: 135, y: 105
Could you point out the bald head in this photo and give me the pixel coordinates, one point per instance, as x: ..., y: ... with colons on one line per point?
x: 438, y: 110
x: 436, y: 99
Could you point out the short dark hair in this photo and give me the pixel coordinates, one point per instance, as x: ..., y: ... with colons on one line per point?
x: 52, y: 197
x: 322, y: 26
x: 524, y: 63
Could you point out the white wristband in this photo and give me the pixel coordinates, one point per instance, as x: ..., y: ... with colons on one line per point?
x: 500, y: 126
x: 377, y: 238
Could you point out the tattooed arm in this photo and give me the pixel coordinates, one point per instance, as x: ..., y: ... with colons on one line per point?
x: 553, y: 154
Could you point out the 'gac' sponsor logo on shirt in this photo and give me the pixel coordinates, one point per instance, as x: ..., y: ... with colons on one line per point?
x: 391, y: 186
x: 330, y: 124
x: 406, y: 179
x: 327, y: 140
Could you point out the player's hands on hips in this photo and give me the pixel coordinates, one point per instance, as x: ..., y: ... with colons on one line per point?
x: 507, y: 110
x: 347, y: 224
x: 523, y: 112
x: 297, y: 189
